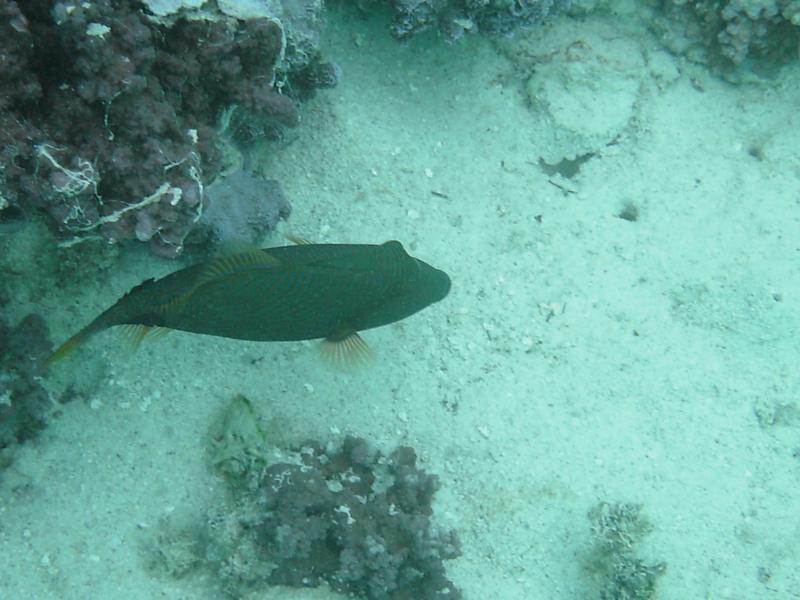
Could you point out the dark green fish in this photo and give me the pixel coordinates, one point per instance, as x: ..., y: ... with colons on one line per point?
x: 300, y: 292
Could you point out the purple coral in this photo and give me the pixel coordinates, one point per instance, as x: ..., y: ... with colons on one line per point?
x: 243, y: 208
x: 453, y: 18
x: 108, y: 120
x: 351, y: 517
x: 760, y: 36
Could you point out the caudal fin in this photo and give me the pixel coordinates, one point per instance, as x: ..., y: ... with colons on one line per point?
x: 67, y: 347
x: 136, y: 334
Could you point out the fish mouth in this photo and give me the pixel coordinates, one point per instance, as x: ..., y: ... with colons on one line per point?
x: 438, y: 281
x: 445, y: 284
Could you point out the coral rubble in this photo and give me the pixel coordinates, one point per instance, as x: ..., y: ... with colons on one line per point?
x: 454, y: 18
x: 620, y: 574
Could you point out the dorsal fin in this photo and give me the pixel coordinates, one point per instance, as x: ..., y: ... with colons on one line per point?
x: 228, y: 263
x: 298, y: 241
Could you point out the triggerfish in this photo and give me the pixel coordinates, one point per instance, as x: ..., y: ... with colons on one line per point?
x: 300, y: 292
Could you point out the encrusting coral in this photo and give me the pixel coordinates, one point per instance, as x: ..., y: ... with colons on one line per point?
x: 108, y: 117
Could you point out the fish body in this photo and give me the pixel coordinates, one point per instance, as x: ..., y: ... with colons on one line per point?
x: 288, y: 293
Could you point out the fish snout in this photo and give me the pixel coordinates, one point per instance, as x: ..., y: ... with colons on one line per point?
x: 444, y: 284
x: 436, y: 282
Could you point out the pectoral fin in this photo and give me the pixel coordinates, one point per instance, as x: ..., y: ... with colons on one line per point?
x: 346, y: 350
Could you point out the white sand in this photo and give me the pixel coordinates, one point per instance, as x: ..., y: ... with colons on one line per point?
x: 578, y: 359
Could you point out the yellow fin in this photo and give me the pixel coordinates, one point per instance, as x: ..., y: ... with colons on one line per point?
x: 297, y: 240
x: 137, y: 333
x: 156, y: 333
x: 67, y: 347
x: 226, y: 264
x: 346, y: 352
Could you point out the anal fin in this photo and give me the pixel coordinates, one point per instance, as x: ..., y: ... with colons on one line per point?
x: 137, y: 333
